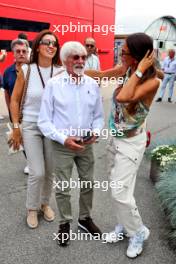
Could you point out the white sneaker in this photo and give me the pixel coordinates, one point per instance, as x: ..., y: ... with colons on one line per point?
x: 136, y: 242
x: 1, y: 117
x: 26, y: 170
x: 116, y: 235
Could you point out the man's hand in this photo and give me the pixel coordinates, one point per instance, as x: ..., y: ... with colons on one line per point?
x: 4, y: 52
x: 90, y: 141
x: 3, y: 55
x: 71, y: 143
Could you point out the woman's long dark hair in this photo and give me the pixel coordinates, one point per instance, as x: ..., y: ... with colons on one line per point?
x: 36, y: 43
x: 138, y: 45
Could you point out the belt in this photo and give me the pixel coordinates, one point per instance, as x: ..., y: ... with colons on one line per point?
x: 169, y: 73
x: 134, y: 132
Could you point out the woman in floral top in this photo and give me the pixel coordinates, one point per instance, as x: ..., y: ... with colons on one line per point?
x: 130, y: 107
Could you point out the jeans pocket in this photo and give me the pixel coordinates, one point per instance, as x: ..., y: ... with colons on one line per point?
x: 29, y: 125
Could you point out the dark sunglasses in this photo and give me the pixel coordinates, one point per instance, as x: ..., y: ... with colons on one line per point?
x: 18, y: 51
x: 77, y: 57
x: 123, y: 53
x: 90, y: 45
x: 48, y: 42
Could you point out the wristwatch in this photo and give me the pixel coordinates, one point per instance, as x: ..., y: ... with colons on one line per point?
x: 139, y: 74
x: 16, y: 125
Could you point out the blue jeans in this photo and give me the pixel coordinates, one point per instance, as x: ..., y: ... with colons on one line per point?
x: 168, y: 78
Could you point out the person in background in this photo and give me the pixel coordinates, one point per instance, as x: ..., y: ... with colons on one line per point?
x: 72, y: 104
x: 92, y: 61
x: 24, y: 36
x: 3, y: 55
x: 43, y: 66
x: 19, y: 48
x: 169, y: 68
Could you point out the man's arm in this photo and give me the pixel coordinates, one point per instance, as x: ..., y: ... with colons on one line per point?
x: 7, y: 99
x: 6, y: 88
x: 46, y: 115
x: 98, y: 117
x: 46, y: 125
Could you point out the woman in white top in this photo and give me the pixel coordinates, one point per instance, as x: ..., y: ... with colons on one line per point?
x: 43, y: 65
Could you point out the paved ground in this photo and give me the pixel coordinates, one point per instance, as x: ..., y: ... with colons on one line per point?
x: 19, y: 245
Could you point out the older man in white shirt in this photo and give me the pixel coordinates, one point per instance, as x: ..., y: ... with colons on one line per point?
x: 92, y: 62
x: 169, y: 68
x: 71, y: 115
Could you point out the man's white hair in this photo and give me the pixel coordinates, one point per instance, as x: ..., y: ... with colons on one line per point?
x: 71, y: 48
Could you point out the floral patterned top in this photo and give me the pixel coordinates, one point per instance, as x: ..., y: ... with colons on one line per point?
x: 126, y: 116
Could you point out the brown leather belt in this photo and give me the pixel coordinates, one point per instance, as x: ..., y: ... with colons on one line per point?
x: 134, y: 132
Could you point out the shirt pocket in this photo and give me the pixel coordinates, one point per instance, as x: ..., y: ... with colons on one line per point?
x: 91, y: 97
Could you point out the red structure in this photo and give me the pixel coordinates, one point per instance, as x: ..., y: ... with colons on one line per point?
x: 70, y: 20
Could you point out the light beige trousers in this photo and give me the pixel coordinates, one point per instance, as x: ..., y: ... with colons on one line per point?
x: 39, y: 158
x: 124, y: 158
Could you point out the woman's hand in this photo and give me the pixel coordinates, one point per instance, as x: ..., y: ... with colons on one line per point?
x: 146, y: 62
x: 16, y: 139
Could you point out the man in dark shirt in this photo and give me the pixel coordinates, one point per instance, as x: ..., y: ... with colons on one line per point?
x: 20, y: 52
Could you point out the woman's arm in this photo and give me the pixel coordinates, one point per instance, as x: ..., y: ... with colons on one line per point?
x: 160, y: 74
x: 117, y: 71
x: 133, y: 90
x: 17, y: 96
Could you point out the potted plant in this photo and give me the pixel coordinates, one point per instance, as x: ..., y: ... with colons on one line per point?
x: 161, y: 157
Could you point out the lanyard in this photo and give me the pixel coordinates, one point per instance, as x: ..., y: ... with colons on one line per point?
x: 40, y: 74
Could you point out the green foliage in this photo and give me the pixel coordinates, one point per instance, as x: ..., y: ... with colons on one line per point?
x: 164, y: 154
x: 166, y: 189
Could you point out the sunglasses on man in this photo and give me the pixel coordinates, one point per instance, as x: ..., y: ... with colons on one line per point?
x: 18, y: 51
x: 77, y: 57
x: 90, y: 45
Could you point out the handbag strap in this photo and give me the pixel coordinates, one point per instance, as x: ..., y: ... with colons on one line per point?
x: 24, y: 93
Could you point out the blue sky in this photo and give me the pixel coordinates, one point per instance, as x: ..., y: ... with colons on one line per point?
x: 136, y: 15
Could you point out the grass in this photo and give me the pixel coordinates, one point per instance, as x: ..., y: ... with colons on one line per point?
x: 166, y: 189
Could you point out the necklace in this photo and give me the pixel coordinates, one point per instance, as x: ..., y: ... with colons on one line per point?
x: 40, y: 74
